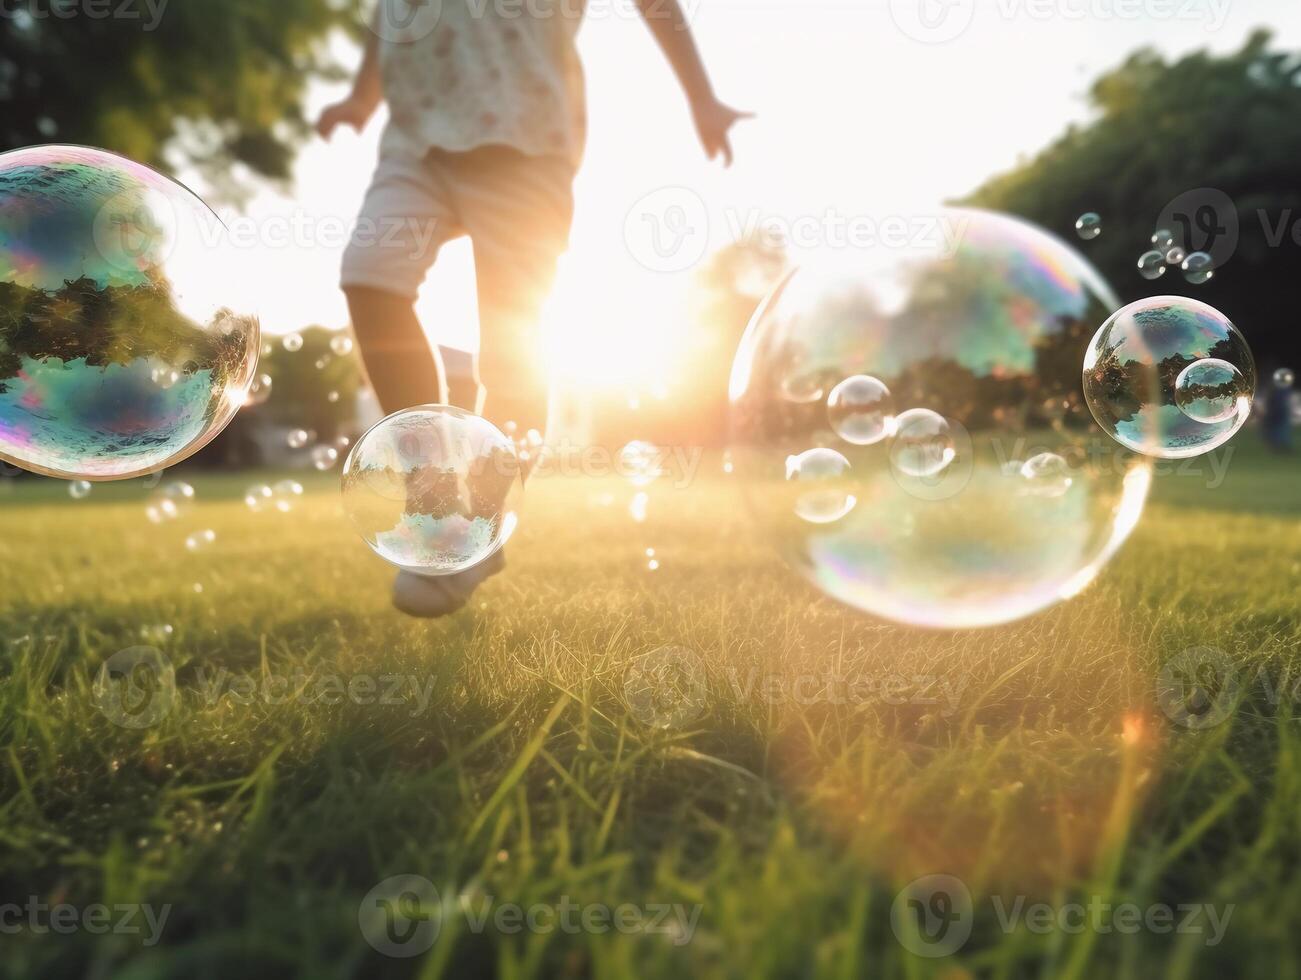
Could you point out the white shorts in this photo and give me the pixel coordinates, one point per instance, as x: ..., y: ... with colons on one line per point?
x: 515, y: 208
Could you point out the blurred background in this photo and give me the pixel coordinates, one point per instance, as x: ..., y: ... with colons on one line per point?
x: 870, y: 118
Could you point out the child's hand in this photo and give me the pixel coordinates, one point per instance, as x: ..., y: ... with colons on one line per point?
x: 352, y: 111
x: 714, y: 121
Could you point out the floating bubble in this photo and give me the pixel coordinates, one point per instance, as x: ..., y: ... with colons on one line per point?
x: 298, y: 438
x: 1151, y: 265
x: 980, y: 340
x: 433, y: 490
x: 258, y: 497
x: 653, y: 565
x: 200, y: 540
x: 285, y: 495
x: 127, y: 337
x: 1175, y: 256
x: 341, y: 344
x: 1132, y: 373
x: 332, y: 397
x: 169, y: 502
x: 1284, y: 377
x: 637, y: 507
x: 79, y: 489
x: 259, y: 391
x: 322, y: 362
x: 923, y: 443
x: 1046, y: 475
x: 292, y: 342
x: 640, y: 462
x: 1211, y: 390
x: 1199, y: 268
x: 156, y: 634
x: 1163, y: 238
x: 324, y: 457
x: 860, y: 410
x: 825, y: 504
x: 1089, y: 226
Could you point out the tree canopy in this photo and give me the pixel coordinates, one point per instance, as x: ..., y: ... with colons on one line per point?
x: 219, y: 81
x: 1221, y: 136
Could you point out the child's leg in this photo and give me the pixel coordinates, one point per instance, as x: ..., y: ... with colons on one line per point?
x: 404, y: 221
x: 518, y: 211
x: 402, y: 366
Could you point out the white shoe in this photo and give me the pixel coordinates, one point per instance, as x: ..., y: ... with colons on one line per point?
x: 431, y: 596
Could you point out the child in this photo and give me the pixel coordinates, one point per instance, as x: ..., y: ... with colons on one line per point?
x: 486, y: 132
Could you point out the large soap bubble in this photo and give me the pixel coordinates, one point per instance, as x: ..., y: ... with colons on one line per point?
x: 1169, y: 377
x: 127, y: 333
x: 993, y: 495
x: 433, y: 490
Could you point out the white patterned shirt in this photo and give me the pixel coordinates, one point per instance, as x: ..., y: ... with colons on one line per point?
x: 459, y: 74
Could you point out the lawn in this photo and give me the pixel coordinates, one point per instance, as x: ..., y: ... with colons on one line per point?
x: 760, y: 824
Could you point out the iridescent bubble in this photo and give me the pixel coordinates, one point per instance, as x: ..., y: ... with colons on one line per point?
x: 1211, y: 390
x: 286, y: 494
x: 127, y: 331
x: 826, y: 469
x: 433, y: 490
x: 1132, y: 370
x: 1175, y: 256
x: 200, y: 540
x: 1151, y: 265
x: 169, y: 502
x: 298, y: 438
x: 1046, y: 475
x: 341, y: 344
x: 259, y: 391
x: 1199, y: 268
x: 923, y: 443
x: 981, y: 336
x: 258, y: 497
x: 1163, y: 238
x: 639, y: 462
x: 292, y: 342
x: 324, y: 457
x: 860, y: 410
x: 1089, y: 226
x: 79, y: 489
x: 1284, y: 377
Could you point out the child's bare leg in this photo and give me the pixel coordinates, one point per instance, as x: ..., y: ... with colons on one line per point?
x: 404, y: 369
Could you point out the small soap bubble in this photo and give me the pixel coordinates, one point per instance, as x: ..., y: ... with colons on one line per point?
x: 298, y: 438
x: 1089, y: 226
x: 292, y: 342
x: 1151, y: 265
x: 1199, y: 268
x: 79, y: 489
x: 341, y: 344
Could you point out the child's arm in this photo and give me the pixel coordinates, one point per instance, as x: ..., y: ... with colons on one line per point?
x: 364, y: 99
x: 713, y: 119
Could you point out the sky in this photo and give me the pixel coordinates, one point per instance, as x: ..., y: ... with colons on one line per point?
x: 869, y: 114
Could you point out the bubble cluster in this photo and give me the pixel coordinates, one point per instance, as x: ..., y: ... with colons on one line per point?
x: 127, y: 333
x: 987, y: 499
x: 433, y: 490
x: 1169, y: 377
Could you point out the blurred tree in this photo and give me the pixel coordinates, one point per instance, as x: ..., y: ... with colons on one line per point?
x: 1202, y: 124
x: 219, y: 81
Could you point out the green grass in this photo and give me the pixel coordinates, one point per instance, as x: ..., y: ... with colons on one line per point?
x: 788, y: 824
